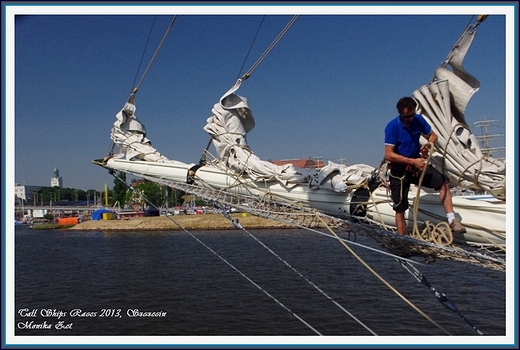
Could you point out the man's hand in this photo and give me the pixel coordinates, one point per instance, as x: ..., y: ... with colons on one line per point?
x: 419, y: 163
x: 425, y: 150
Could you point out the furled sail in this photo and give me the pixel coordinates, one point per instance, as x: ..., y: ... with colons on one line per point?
x: 228, y: 126
x: 443, y: 103
x: 129, y: 134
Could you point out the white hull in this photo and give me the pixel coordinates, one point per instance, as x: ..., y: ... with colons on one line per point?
x: 485, y: 221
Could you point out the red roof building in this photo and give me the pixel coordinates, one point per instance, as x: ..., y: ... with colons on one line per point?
x: 307, y: 163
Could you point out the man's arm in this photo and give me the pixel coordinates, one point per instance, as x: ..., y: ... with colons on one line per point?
x: 432, y: 137
x: 425, y: 149
x: 393, y: 157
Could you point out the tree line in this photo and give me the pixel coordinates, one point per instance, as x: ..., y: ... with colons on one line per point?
x: 138, y: 192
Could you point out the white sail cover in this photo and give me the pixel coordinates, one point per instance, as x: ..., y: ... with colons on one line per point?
x: 443, y: 103
x: 130, y: 136
x: 232, y: 119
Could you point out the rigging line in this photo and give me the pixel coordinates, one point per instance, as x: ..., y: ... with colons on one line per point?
x: 266, y: 52
x: 248, y: 279
x: 441, y: 297
x: 155, y: 54
x: 225, y: 261
x: 144, y: 51
x: 384, y: 281
x: 251, y: 47
x: 300, y: 274
x: 425, y: 265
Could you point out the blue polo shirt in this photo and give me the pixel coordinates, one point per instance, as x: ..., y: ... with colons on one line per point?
x: 406, y: 139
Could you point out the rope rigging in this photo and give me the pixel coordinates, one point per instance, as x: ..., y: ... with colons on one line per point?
x: 414, y: 247
x: 275, y: 208
x: 144, y: 51
x: 136, y: 88
x: 251, y: 47
x: 268, y: 50
x: 224, y: 260
x: 388, y: 284
x: 239, y: 226
x: 441, y: 297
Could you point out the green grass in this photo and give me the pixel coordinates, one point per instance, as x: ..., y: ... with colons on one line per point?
x: 49, y: 226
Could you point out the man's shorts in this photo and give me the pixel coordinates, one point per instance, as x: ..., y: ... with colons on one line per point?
x: 432, y: 179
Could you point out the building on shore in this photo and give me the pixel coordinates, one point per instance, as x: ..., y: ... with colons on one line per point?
x: 29, y: 194
x: 56, y: 180
x: 25, y: 193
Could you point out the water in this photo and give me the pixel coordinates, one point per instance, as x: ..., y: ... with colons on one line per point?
x: 111, y: 275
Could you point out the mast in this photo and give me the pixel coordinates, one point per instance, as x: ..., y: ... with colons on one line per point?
x: 106, y: 195
x: 486, y: 138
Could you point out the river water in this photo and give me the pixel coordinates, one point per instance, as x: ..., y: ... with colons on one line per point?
x: 260, y: 284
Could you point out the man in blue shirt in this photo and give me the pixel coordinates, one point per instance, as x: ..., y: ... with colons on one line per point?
x: 404, y: 153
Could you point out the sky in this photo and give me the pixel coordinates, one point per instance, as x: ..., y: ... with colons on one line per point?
x: 326, y: 90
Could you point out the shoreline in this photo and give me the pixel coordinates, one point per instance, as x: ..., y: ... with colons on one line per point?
x: 179, y: 222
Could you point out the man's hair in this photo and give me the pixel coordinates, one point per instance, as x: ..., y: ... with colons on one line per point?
x: 406, y: 102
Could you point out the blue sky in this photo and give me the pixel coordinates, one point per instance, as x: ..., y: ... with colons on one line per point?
x: 326, y: 90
